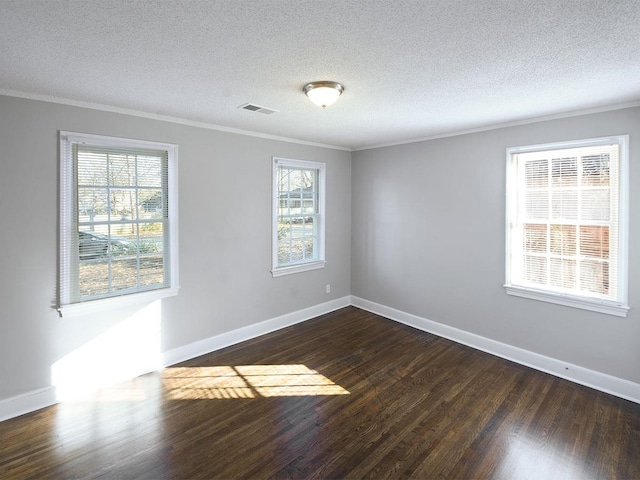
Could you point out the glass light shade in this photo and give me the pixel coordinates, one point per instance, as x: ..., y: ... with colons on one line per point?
x: 323, y: 94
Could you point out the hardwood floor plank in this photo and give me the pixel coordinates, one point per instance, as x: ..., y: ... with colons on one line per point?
x: 346, y: 395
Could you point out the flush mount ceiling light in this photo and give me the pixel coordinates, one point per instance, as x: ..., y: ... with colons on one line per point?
x: 323, y: 93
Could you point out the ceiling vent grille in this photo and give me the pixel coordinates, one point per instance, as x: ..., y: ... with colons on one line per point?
x: 257, y: 108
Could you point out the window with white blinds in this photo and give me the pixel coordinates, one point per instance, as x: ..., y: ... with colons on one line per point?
x: 118, y: 217
x: 567, y: 222
x: 298, y: 216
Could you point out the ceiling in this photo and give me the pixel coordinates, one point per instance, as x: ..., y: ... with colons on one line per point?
x: 412, y: 69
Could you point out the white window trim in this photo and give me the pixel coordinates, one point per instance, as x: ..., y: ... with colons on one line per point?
x: 601, y: 306
x: 65, y: 307
x: 110, y: 303
x: 619, y: 308
x: 303, y: 267
x: 311, y: 265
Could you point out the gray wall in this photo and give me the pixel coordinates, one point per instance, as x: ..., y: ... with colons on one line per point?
x: 428, y: 238
x: 225, y: 236
x: 418, y: 227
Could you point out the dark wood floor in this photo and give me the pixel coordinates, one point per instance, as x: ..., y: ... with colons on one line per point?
x: 346, y: 395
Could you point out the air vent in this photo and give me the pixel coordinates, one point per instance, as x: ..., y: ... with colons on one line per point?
x: 257, y: 108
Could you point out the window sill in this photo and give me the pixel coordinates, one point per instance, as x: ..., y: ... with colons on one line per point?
x: 600, y: 306
x: 279, y: 272
x: 103, y: 304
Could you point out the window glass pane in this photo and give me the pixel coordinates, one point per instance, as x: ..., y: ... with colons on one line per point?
x: 296, y: 209
x: 283, y: 254
x: 149, y: 171
x: 564, y: 171
x: 93, y: 204
x: 122, y: 204
x: 129, y: 257
x: 124, y: 273
x: 296, y: 253
x: 309, y: 204
x: 122, y: 170
x: 151, y: 270
x: 151, y: 204
x: 284, y: 238
x: 535, y: 238
x: 537, y: 205
x: 308, y: 248
x: 151, y: 237
x: 595, y: 169
x: 594, y: 276
x: 563, y: 239
x: 122, y: 242
x: 564, y: 204
x: 535, y: 269
x: 537, y: 173
x: 92, y: 244
x: 94, y: 274
x: 563, y: 272
x: 594, y: 241
x: 92, y: 169
x: 595, y: 204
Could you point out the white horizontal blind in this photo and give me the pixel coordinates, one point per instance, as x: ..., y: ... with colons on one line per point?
x: 298, y: 213
x: 115, y: 219
x: 565, y: 218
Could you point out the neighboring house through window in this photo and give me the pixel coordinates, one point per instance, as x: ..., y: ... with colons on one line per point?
x: 118, y: 219
x: 298, y: 216
x: 567, y: 223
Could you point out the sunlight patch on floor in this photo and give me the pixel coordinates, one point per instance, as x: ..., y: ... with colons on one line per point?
x: 534, y: 457
x: 246, y: 381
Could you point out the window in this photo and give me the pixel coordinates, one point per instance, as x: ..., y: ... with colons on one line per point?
x: 298, y: 216
x: 567, y: 223
x: 118, y: 219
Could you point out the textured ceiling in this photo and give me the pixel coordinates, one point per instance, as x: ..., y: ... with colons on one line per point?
x: 411, y: 69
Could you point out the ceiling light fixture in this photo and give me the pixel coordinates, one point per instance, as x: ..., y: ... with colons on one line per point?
x: 323, y: 93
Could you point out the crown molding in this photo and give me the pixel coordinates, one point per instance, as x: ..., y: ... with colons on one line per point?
x: 162, y: 118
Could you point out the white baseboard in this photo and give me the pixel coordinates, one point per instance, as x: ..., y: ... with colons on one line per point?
x: 575, y: 373
x: 211, y: 344
x: 45, y: 397
x: 27, y: 402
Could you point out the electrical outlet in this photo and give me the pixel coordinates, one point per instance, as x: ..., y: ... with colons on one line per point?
x: 328, y: 288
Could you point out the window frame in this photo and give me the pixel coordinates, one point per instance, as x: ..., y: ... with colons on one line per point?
x: 619, y: 306
x: 66, y: 306
x: 318, y: 263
